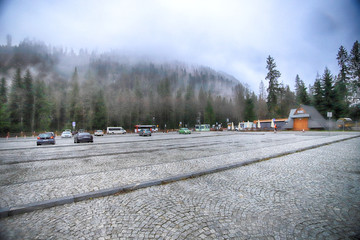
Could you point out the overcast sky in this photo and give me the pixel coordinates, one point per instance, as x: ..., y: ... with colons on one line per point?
x: 234, y: 36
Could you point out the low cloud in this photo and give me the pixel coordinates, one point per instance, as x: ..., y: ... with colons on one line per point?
x: 230, y: 36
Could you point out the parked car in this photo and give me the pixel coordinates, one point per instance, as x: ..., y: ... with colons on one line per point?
x: 115, y: 130
x: 345, y: 123
x: 99, y: 133
x: 144, y: 132
x: 46, y: 138
x: 83, y: 137
x: 66, y: 134
x: 184, y: 131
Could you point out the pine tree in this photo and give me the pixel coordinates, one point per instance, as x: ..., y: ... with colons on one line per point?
x: 302, y: 96
x: 165, y: 104
x: 354, y: 68
x: 343, y: 62
x: 328, y: 92
x: 272, y: 75
x: 341, y: 85
x: 179, y: 107
x: 16, y: 102
x: 318, y: 95
x: 100, y: 112
x: 280, y: 100
x: 28, y: 102
x: 190, y: 107
x: 4, y: 120
x: 4, y: 113
x: 249, y: 111
x: 74, y: 95
x: 43, y: 107
x: 240, y: 92
x: 202, y: 104
x: 354, y: 111
x: 288, y: 101
x: 209, y: 114
x: 3, y: 91
x: 75, y: 105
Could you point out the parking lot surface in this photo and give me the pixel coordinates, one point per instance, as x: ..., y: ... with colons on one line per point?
x: 301, y: 185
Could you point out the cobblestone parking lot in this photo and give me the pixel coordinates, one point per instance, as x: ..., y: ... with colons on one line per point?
x: 288, y: 185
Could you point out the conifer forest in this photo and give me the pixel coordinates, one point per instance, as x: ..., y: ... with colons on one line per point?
x: 46, y: 88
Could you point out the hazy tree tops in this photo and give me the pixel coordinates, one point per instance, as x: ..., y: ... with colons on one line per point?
x: 46, y: 88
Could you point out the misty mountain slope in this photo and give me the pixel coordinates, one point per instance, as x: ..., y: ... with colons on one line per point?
x: 97, y: 90
x: 147, y: 76
x: 111, y: 69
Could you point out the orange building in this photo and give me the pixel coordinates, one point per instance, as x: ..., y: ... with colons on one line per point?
x: 305, y: 118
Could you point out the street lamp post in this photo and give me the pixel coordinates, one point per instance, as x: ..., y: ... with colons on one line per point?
x: 329, y: 115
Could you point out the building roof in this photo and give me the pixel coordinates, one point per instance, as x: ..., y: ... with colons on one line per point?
x: 289, y: 122
x: 315, y: 119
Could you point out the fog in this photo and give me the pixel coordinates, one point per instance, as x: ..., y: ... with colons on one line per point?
x: 230, y: 36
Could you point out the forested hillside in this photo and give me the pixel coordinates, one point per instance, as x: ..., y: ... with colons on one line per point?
x: 48, y: 88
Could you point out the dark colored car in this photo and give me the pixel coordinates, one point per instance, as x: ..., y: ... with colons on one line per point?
x: 83, y: 137
x: 144, y: 132
x: 46, y: 138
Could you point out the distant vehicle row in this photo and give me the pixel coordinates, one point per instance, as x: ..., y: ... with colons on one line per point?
x: 110, y: 130
x: 49, y: 137
x: 82, y: 136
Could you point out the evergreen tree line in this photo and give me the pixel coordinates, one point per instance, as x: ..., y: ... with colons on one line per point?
x: 26, y: 107
x: 39, y: 95
x: 338, y: 94
x: 29, y: 105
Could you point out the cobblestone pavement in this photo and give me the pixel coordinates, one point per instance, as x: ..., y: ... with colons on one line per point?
x: 314, y: 194
x: 38, y: 174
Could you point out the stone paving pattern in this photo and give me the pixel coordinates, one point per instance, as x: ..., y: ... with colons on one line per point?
x: 45, y: 180
x: 314, y: 194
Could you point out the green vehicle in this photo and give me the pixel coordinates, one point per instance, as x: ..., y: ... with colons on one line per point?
x: 184, y: 131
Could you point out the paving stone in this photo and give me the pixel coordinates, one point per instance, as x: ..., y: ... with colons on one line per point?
x: 310, y: 194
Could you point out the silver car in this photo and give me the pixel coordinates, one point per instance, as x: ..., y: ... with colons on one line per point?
x: 66, y: 134
x: 99, y: 133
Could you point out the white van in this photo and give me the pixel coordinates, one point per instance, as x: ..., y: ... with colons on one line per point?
x: 115, y: 130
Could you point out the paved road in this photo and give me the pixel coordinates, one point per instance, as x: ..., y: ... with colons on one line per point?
x: 310, y: 194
